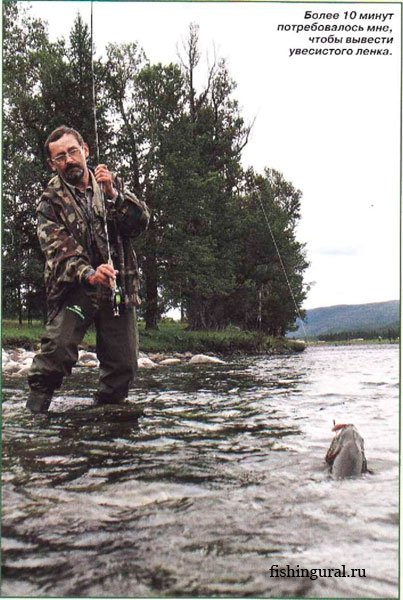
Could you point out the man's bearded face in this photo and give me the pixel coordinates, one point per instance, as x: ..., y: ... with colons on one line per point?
x: 68, y: 158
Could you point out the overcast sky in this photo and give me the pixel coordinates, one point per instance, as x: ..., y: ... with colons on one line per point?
x: 330, y: 124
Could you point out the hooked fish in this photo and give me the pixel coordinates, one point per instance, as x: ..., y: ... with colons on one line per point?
x: 346, y: 456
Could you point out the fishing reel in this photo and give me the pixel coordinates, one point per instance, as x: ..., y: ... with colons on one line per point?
x: 116, y: 292
x: 116, y: 300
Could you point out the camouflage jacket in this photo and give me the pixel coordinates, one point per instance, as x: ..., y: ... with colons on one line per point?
x: 67, y: 239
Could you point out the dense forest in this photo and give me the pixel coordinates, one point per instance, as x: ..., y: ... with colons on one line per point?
x: 391, y: 333
x: 209, y: 249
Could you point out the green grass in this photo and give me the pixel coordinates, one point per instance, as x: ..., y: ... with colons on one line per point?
x: 174, y: 337
x: 171, y: 336
x: 14, y: 334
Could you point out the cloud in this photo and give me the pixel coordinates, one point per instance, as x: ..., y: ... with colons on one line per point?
x: 347, y: 251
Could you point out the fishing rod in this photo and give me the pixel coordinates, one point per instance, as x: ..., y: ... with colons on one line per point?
x: 283, y: 267
x: 116, y: 294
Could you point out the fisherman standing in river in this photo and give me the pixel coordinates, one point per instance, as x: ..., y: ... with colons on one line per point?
x: 86, y: 222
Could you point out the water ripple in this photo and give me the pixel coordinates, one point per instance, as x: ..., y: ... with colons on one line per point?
x: 203, y: 480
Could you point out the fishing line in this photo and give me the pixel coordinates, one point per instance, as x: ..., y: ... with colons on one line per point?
x: 283, y: 267
x: 116, y: 292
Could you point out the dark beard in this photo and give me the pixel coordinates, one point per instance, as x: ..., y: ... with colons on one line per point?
x: 74, y: 175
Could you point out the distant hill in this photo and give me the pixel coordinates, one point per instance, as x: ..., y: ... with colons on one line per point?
x: 375, y: 317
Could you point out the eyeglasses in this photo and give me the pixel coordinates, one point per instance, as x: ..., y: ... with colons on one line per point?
x: 61, y: 158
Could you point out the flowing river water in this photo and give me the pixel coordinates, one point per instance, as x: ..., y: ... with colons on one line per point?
x: 204, y: 480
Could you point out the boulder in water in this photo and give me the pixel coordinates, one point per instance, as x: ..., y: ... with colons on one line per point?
x: 171, y: 361
x: 145, y: 363
x: 22, y: 371
x: 11, y: 367
x: 203, y: 359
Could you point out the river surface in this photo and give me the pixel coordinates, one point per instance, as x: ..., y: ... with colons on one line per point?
x: 206, y: 478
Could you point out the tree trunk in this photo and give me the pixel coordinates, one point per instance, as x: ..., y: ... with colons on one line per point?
x: 259, y: 309
x: 19, y: 304
x: 182, y: 306
x: 197, y: 313
x: 151, y: 279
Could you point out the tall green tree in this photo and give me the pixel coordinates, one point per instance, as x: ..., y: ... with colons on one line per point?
x: 118, y: 81
x: 78, y: 83
x: 270, y: 288
x: 41, y: 84
x: 24, y: 40
x: 217, y: 135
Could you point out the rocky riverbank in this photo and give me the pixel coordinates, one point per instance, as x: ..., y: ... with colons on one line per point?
x: 17, y: 361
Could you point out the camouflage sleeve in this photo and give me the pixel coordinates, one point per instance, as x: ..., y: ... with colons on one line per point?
x: 65, y: 257
x: 131, y: 214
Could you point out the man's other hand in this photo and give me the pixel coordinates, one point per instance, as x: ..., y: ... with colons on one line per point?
x: 104, y: 275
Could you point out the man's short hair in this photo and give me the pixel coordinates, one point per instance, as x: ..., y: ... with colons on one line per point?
x: 60, y: 132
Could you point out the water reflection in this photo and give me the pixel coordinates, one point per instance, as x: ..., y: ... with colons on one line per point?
x: 205, y: 478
